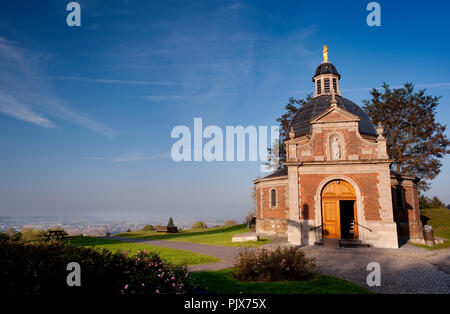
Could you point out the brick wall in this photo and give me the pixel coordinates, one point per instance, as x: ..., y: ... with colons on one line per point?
x: 407, y: 212
x: 353, y: 145
x: 278, y: 211
x: 367, y: 183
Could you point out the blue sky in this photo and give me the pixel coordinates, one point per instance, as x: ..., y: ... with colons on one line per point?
x: 86, y: 112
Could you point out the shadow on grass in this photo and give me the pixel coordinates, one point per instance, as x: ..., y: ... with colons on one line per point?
x: 222, y: 282
x: 152, y: 235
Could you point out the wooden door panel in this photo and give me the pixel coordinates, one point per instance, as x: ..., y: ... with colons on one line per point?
x: 331, y: 223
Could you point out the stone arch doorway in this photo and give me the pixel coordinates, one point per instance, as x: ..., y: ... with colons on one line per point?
x: 339, y: 212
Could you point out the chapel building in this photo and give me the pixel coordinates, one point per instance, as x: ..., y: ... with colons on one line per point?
x: 336, y: 185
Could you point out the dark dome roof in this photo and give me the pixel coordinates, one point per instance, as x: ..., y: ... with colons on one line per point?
x: 301, y: 121
x: 326, y: 68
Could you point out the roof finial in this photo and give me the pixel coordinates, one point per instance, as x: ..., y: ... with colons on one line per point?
x: 333, y: 102
x: 325, y: 53
x: 292, y: 133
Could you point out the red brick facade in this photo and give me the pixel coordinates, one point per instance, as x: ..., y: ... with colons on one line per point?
x: 405, y: 202
x: 367, y: 183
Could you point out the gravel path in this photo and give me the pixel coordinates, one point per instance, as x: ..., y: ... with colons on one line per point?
x: 406, y: 270
x: 401, y: 271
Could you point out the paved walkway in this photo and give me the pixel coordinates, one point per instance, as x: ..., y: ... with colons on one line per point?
x: 402, y: 270
x: 409, y: 269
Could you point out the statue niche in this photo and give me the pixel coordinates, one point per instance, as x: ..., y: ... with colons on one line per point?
x: 336, y: 150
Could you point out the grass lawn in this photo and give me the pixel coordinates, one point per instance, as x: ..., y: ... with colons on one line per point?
x: 439, y: 218
x: 214, y: 236
x: 222, y: 281
x: 167, y: 254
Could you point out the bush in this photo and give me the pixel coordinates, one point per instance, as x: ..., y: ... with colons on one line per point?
x: 13, y: 235
x: 278, y: 265
x: 148, y: 228
x: 29, y: 235
x: 199, y: 225
x: 40, y: 268
x: 249, y: 217
x: 170, y: 223
x: 229, y: 222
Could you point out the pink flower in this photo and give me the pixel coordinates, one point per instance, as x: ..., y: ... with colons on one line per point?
x: 173, y: 284
x: 126, y: 287
x: 143, y: 284
x: 157, y: 291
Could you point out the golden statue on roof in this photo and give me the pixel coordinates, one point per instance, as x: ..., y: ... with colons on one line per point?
x: 325, y: 53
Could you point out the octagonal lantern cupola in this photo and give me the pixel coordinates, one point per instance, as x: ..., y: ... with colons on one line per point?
x: 326, y: 78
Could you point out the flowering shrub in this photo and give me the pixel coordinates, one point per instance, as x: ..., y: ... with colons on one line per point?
x: 150, y: 275
x: 40, y: 268
x: 277, y: 265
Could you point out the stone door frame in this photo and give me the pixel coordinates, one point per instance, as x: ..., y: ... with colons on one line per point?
x: 359, y: 205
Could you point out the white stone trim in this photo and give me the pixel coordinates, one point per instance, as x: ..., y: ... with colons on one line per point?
x: 294, y: 233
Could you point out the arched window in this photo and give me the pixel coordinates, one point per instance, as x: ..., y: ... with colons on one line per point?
x: 273, y: 197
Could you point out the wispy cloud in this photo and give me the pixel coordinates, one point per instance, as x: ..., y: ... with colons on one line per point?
x: 129, y: 157
x: 159, y: 98
x: 22, y: 96
x: 12, y: 107
x: 132, y: 157
x: 107, y: 81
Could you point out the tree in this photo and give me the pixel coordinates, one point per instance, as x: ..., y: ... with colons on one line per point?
x: 426, y: 202
x: 170, y: 223
x: 291, y: 108
x: 199, y: 225
x: 250, y: 216
x: 415, y: 140
x: 437, y: 203
x: 229, y: 222
x: 29, y: 235
x: 274, y: 160
x: 148, y: 228
x: 10, y: 232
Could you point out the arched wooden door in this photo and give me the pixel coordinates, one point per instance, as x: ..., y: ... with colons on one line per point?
x: 336, y: 198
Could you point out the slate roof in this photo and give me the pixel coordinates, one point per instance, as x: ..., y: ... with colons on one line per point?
x: 326, y: 68
x: 301, y: 120
x: 277, y: 173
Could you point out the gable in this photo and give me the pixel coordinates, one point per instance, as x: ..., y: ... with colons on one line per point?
x: 335, y: 114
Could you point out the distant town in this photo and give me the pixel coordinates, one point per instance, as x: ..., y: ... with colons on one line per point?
x: 95, y: 226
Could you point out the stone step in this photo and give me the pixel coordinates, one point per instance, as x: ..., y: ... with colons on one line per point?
x: 331, y: 243
x: 352, y: 243
x: 338, y: 243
